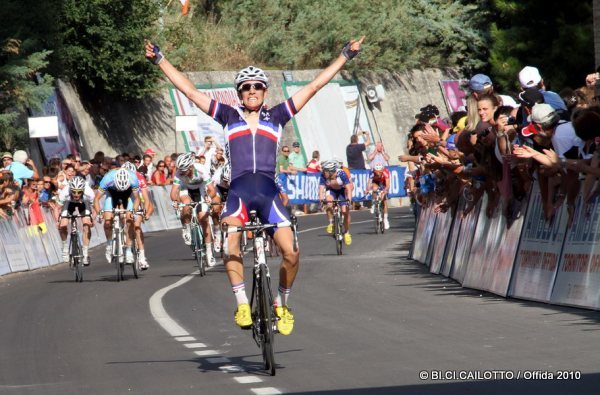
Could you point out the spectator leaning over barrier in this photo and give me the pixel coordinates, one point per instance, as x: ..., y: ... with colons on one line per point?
x: 554, y: 137
x: 170, y: 167
x: 283, y: 162
x: 314, y: 166
x: 530, y: 77
x: 22, y: 167
x: 9, y: 194
x: 159, y: 177
x: 147, y: 167
x: 47, y: 191
x: 85, y: 168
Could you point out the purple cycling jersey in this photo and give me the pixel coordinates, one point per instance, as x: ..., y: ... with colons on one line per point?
x: 252, y: 152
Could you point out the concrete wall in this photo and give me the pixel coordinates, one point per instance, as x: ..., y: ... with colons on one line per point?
x: 117, y: 126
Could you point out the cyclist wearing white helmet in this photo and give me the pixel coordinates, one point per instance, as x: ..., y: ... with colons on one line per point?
x: 335, y: 185
x: 217, y: 189
x: 76, y: 195
x: 119, y: 186
x: 147, y: 210
x: 189, y: 186
x: 253, y: 133
x: 379, y: 181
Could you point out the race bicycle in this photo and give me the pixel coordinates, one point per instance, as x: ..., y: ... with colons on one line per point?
x: 338, y: 225
x: 378, y: 212
x: 264, y: 318
x: 118, y: 243
x: 198, y: 246
x: 75, y: 249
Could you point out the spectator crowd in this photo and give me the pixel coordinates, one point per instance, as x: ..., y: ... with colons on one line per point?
x: 503, y: 143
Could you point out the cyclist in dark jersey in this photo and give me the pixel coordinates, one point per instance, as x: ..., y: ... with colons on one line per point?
x: 253, y: 132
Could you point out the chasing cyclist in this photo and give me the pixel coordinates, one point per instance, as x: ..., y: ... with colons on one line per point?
x: 119, y: 186
x: 252, y: 134
x: 335, y: 185
x: 76, y: 195
x: 379, y: 182
x: 189, y: 186
x: 147, y: 209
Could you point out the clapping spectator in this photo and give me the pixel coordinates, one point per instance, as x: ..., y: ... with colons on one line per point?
x: 378, y: 156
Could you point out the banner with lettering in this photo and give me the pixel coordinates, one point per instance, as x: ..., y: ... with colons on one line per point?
x: 578, y: 279
x: 304, y: 187
x: 537, y: 259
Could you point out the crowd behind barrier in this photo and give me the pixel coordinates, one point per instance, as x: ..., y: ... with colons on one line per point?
x: 532, y: 259
x: 27, y: 245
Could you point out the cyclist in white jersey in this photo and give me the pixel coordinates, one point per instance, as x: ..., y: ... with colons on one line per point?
x: 189, y: 185
x: 253, y: 132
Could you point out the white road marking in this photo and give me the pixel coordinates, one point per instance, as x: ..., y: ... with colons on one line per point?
x: 204, y: 353
x: 231, y: 369
x: 265, y: 391
x: 248, y: 379
x: 194, y: 345
x: 160, y: 314
x: 186, y: 339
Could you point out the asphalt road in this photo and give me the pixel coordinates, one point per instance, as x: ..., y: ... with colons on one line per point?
x: 369, y: 321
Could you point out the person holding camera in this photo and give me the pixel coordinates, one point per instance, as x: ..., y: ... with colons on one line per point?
x: 354, y: 150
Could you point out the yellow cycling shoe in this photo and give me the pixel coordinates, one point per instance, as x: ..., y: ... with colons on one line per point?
x: 347, y: 238
x: 330, y: 228
x: 285, y: 324
x: 243, y: 317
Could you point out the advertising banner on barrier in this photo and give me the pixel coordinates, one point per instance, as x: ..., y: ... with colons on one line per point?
x: 578, y: 279
x: 468, y: 224
x: 494, y: 249
x: 539, y: 251
x: 4, y: 266
x: 30, y: 237
x: 448, y: 258
x: 440, y: 240
x: 423, y: 235
x: 12, y: 245
x: 304, y: 187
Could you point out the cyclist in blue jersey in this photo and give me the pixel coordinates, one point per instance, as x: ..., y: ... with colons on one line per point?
x: 253, y: 132
x: 118, y: 186
x: 335, y: 185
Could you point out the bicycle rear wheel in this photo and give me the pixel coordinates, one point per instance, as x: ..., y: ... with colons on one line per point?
x: 377, y: 219
x: 199, y: 253
x: 266, y: 321
x: 381, y: 224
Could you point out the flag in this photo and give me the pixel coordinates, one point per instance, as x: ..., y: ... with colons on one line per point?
x: 185, y: 5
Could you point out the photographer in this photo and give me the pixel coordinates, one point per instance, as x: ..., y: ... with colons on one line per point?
x: 354, y: 151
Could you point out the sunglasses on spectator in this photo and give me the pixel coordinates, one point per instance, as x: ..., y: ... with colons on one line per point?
x: 161, y: 166
x: 258, y: 86
x: 286, y: 150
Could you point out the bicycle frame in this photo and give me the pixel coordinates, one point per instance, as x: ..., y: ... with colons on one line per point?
x: 75, y: 249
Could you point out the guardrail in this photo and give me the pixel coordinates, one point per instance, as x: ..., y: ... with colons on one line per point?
x: 530, y: 259
x: 29, y: 239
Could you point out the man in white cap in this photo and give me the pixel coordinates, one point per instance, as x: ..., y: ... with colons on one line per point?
x: 530, y: 77
x: 17, y: 165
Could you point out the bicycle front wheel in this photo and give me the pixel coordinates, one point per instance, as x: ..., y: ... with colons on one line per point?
x: 117, y: 256
x: 266, y: 321
x: 76, y: 260
x: 136, y: 258
x: 199, y: 252
x: 338, y: 234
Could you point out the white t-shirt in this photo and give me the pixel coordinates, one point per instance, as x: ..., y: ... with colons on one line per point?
x: 564, y: 139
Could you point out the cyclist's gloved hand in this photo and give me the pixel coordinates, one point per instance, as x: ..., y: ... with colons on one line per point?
x: 99, y: 218
x: 352, y: 48
x: 153, y: 53
x: 175, y: 204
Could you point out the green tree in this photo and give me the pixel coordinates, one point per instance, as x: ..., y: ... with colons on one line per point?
x: 102, y: 44
x: 22, y: 88
x: 553, y: 35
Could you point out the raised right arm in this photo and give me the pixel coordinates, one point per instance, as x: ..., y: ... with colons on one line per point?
x: 177, y: 78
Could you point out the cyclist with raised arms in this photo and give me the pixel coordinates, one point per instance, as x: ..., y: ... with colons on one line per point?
x: 379, y: 181
x: 76, y: 195
x: 253, y: 132
x: 119, y: 186
x: 189, y: 186
x: 335, y: 185
x: 148, y: 209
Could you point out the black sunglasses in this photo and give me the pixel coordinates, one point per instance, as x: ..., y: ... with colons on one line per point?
x: 258, y: 86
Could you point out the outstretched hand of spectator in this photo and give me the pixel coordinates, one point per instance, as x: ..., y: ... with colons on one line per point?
x: 430, y: 134
x: 524, y: 151
x: 552, y: 156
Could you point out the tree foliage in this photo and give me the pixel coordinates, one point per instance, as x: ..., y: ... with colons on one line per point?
x: 102, y: 44
x: 553, y: 35
x: 22, y: 88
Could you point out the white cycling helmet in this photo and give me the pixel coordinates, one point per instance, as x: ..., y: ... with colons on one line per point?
x: 129, y: 166
x: 378, y: 167
x: 122, y: 181
x: 330, y: 165
x: 185, y: 161
x: 77, y: 183
x: 251, y: 73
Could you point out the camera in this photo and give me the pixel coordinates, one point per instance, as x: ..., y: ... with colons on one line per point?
x: 510, y: 120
